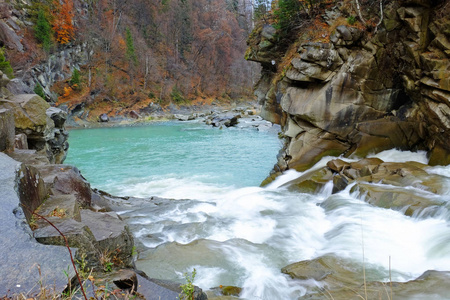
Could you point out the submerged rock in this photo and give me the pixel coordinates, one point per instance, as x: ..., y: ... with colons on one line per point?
x: 311, y: 182
x: 344, y: 279
x: 409, y: 202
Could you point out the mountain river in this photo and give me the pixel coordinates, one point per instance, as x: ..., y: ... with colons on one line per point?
x: 235, y: 233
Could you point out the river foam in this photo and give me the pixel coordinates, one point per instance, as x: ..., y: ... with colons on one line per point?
x: 242, y: 235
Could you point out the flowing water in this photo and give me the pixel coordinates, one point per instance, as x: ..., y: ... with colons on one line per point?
x: 232, y: 231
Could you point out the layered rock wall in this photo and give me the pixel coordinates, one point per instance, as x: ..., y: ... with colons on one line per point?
x: 362, y: 92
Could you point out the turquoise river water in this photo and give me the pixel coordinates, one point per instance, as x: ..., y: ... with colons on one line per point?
x: 233, y: 231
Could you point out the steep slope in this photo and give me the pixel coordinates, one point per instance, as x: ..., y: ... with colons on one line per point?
x: 129, y: 56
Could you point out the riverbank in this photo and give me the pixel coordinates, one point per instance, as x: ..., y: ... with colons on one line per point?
x: 81, y: 115
x: 49, y: 207
x: 222, y: 116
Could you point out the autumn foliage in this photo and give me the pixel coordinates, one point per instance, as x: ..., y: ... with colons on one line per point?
x: 63, y: 21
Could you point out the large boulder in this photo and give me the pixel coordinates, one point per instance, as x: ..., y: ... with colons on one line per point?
x: 31, y: 189
x: 344, y: 279
x: 24, y: 262
x: 66, y: 180
x: 30, y: 114
x: 9, y: 37
x: 43, y: 125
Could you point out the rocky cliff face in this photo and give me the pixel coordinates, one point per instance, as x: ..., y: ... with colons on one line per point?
x: 362, y: 92
x: 35, y: 125
x: 47, y: 70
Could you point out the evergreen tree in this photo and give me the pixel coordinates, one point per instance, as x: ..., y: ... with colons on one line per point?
x: 39, y: 90
x: 185, y: 34
x: 42, y: 30
x: 75, y: 80
x: 131, y: 53
x: 287, y: 15
x: 5, y: 66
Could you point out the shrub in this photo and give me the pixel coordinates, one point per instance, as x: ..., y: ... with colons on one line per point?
x: 351, y: 20
x: 5, y: 66
x: 39, y: 90
x: 75, y: 81
x: 177, y: 96
x: 287, y: 14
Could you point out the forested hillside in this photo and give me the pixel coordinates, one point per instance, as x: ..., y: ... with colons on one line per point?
x: 136, y: 52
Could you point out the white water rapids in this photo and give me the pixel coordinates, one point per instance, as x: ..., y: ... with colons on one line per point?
x: 244, y: 236
x: 237, y: 234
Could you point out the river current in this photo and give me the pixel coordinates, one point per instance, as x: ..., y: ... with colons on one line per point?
x: 234, y: 232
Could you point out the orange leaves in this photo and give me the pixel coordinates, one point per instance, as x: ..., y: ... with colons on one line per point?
x: 67, y: 91
x: 320, y: 31
x: 63, y: 21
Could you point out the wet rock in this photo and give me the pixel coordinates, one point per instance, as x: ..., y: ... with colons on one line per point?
x: 337, y: 165
x: 31, y: 189
x: 231, y: 291
x: 66, y: 180
x: 58, y: 116
x: 388, y: 185
x: 7, y: 130
x: 311, y: 182
x: 343, y: 279
x: 29, y: 157
x: 429, y: 283
x: 20, y: 141
x: 400, y: 199
x: 232, y: 122
x: 103, y: 118
x: 333, y: 270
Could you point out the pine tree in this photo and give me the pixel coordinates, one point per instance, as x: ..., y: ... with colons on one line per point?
x: 287, y: 14
x: 75, y: 80
x: 42, y: 30
x: 131, y: 53
x: 5, y: 66
x: 39, y: 90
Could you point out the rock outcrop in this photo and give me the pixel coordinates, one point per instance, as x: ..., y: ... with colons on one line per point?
x: 343, y: 279
x: 39, y: 126
x: 362, y: 92
x: 406, y: 187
